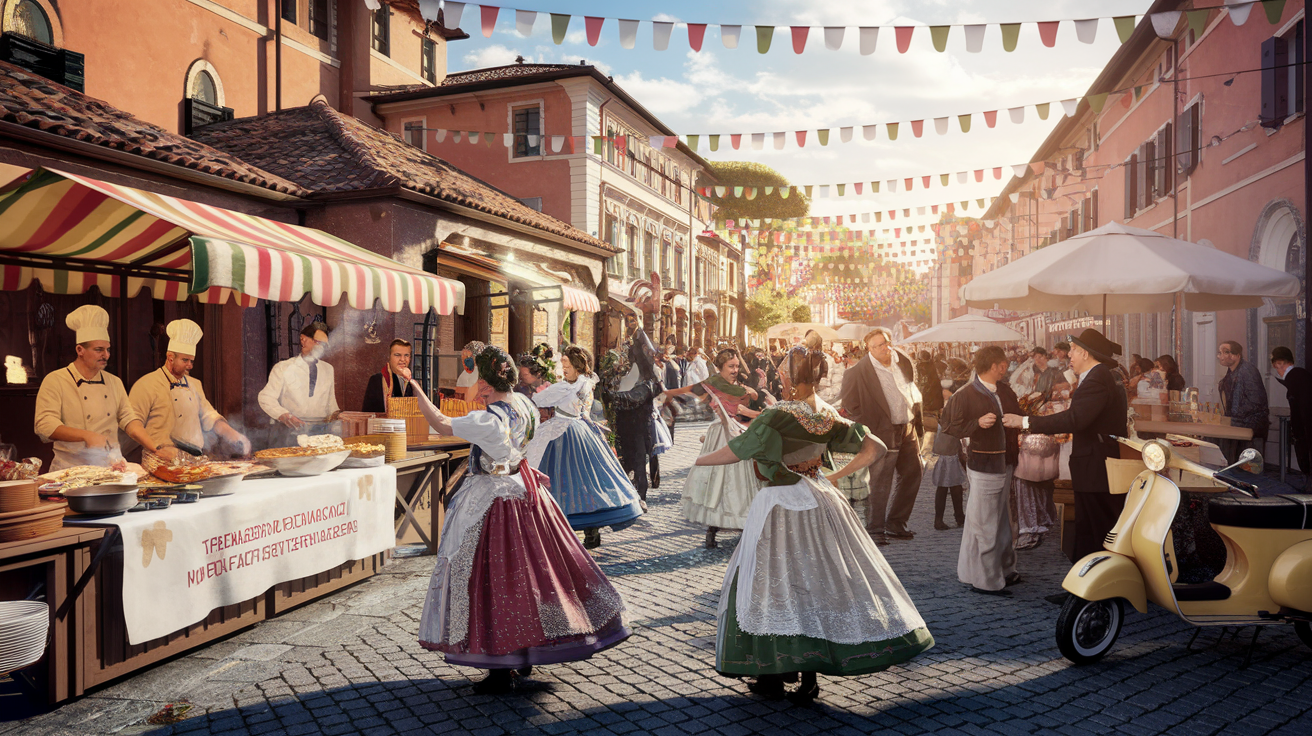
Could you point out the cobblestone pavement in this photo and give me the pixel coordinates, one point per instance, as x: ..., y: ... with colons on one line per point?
x: 350, y: 663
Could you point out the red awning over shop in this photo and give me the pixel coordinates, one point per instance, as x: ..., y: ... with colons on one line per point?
x: 73, y: 232
x: 578, y: 300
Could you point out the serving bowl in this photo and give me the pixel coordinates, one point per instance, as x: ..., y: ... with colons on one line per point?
x: 303, y: 465
x: 220, y: 485
x: 103, y: 500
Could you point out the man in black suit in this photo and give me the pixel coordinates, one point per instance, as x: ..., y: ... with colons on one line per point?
x: 388, y: 383
x: 1098, y: 411
x: 1298, y: 385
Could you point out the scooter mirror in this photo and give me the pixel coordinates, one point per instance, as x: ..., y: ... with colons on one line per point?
x: 1250, y: 461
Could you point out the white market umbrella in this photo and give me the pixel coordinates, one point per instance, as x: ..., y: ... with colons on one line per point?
x: 967, y: 328
x: 853, y: 331
x: 1117, y: 269
x: 799, y: 329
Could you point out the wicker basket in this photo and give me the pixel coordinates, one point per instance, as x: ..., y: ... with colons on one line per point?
x: 46, y: 518
x: 407, y: 408
x: 17, y: 495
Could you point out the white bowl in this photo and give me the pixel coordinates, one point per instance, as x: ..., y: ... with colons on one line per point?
x: 363, y: 462
x: 220, y: 485
x: 303, y: 465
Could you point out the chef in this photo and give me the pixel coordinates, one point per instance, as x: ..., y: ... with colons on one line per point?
x: 302, y: 391
x: 172, y: 404
x: 81, y: 407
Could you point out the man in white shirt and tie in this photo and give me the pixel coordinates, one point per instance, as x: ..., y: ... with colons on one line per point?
x: 302, y: 391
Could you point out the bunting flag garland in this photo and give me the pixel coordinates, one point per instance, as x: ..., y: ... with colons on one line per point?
x: 1162, y: 23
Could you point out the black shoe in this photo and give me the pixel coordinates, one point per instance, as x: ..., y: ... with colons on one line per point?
x: 591, y: 538
x: 939, y: 525
x: 806, y: 692
x: 768, y: 686
x: 1004, y: 592
x: 497, y: 682
x: 710, y: 539
x: 525, y: 671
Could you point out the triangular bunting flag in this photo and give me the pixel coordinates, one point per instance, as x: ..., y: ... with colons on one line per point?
x: 758, y: 141
x: 453, y: 13
x: 1048, y: 32
x: 964, y: 122
x: 939, y: 35
x: 997, y: 172
x: 1017, y: 115
x: 840, y: 188
x: 961, y: 176
x: 801, y: 138
x: 628, y: 33
x: 524, y: 20
x: 975, y: 38
x: 869, y: 37
x: 834, y: 37
x: 892, y: 130
x: 736, y: 139
x: 1124, y: 27
x: 763, y: 36
x: 1274, y: 9
x: 696, y: 33
x: 909, y: 183
x: 823, y: 136
x: 1164, y: 23
x: 660, y: 34
x: 868, y: 132
x: 941, y: 126
x: 799, y: 38
x: 979, y: 175
x: 943, y: 178
x: 856, y: 187
x: 593, y: 28
x: 489, y: 19
x: 924, y: 182
x: 738, y: 192
x: 903, y: 35
x: 729, y: 35
x: 845, y: 134
x: 1069, y: 107
x: 715, y: 142
x: 1042, y: 109
x: 719, y: 192
x: 991, y: 118
x: 917, y: 126
x: 1010, y: 32
x: 692, y: 141
x: 1096, y: 101
x: 559, y: 27
x: 808, y: 195
x: 779, y: 140
x: 784, y: 192
x: 1086, y: 30
x: 1239, y: 13
x: 1197, y: 20
x: 874, y: 187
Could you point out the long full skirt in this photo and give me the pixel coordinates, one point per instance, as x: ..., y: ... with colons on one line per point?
x: 719, y: 495
x: 513, y: 586
x: 987, y: 556
x: 587, y: 479
x: 808, y: 591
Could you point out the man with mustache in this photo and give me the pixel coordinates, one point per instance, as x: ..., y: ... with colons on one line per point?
x: 302, y: 390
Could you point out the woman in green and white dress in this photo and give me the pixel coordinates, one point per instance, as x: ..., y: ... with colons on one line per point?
x: 807, y: 590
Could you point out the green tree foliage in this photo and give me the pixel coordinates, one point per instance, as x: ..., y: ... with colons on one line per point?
x: 768, y: 306
x: 765, y: 206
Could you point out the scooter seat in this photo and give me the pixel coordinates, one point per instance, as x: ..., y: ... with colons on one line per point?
x: 1289, y: 511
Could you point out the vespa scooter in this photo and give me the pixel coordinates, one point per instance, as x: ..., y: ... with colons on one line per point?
x: 1267, y: 530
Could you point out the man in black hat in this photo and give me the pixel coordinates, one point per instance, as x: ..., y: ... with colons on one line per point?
x: 1098, y: 410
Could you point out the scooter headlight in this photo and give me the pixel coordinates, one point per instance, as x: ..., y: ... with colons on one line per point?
x: 1155, y: 456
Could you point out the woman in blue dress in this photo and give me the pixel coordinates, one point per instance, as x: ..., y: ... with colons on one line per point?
x: 587, y: 479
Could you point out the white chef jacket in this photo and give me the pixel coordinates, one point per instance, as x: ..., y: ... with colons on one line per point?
x: 99, y: 405
x: 288, y: 391
x: 171, y: 410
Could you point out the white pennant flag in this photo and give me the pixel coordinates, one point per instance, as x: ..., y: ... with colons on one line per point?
x: 524, y: 21
x: 865, y: 217
x: 441, y: 135
x: 729, y: 35
x: 769, y: 191
x: 557, y: 142
x: 868, y: 131
x: 373, y: 4
x: 1020, y: 169
x: 778, y: 141
x: 1017, y: 114
x: 453, y: 12
x: 961, y: 176
x: 892, y: 185
x: 834, y: 37
x: 1085, y: 30
x: 990, y: 223
x: 660, y: 34
x: 869, y: 36
x: 1239, y: 12
x: 1015, y: 197
x: 941, y: 126
x: 628, y: 33
x: 824, y: 191
x: 975, y: 38
x: 507, y: 139
x: 1069, y: 106
x: 921, y: 211
x: 758, y: 141
x: 428, y: 9
x: 533, y: 140
x: 656, y: 141
x: 719, y: 192
x: 1164, y: 23
x: 473, y: 137
x: 455, y: 136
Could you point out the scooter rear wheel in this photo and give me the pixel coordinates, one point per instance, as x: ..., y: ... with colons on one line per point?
x: 1086, y: 630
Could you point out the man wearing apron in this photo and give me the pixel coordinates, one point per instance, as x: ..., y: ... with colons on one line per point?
x: 172, y: 403
x: 81, y: 407
x: 301, y: 394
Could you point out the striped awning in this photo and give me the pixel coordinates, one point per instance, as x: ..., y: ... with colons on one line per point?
x: 578, y: 300
x: 73, y: 232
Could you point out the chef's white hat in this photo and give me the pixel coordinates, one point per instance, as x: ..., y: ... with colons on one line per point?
x: 183, y: 336
x: 89, y: 322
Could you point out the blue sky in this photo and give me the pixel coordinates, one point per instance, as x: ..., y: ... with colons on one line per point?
x: 740, y: 91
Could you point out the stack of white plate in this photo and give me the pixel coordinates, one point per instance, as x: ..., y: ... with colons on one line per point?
x: 23, y: 629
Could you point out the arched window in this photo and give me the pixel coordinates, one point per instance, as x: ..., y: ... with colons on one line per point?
x: 30, y: 20
x: 203, y: 88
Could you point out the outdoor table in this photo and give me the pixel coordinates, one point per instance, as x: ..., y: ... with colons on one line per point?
x: 1194, y: 429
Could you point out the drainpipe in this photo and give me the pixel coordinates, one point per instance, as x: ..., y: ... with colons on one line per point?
x: 277, y: 54
x: 1307, y: 188
x: 1178, y: 348
x: 346, y: 56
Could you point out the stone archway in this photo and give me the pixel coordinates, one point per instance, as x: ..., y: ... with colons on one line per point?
x: 1279, y: 242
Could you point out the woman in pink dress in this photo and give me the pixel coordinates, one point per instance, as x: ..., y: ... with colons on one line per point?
x: 513, y: 587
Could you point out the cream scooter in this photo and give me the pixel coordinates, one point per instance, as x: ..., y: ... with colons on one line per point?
x: 1267, y: 579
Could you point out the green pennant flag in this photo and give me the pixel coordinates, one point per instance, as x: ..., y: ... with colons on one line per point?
x: 1010, y: 32
x: 1042, y: 110
x: 1197, y: 22
x: 715, y: 143
x: 763, y: 36
x: 738, y: 192
x: 1124, y: 26
x: 874, y: 187
x: 559, y: 27
x: 943, y: 178
x: 939, y: 34
x: 964, y: 120
x: 784, y: 192
x: 808, y: 191
x: 841, y: 187
x: 1274, y: 9
x: 965, y: 205
x: 597, y: 143
x: 692, y: 141
x: 892, y: 130
x: 1096, y: 101
x: 823, y: 136
x: 980, y: 203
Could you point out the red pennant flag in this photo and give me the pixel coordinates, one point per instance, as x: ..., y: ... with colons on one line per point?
x: 1048, y: 32
x: 925, y: 179
x: 696, y: 32
x: 903, y: 37
x: 799, y: 38
x: 979, y: 174
x: 851, y: 218
x: 892, y: 214
x: 997, y: 172
x: 801, y: 138
x: 857, y: 185
x: 736, y: 139
x: 934, y: 207
x: 897, y: 232
x: 489, y: 19
x: 622, y: 146
x: 949, y: 208
x: 917, y: 126
x: 909, y: 182
x: 991, y: 118
x: 593, y: 26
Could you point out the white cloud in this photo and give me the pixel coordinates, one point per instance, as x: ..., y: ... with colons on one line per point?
x: 495, y: 55
x: 660, y: 96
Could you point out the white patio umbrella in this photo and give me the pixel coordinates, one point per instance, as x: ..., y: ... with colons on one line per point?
x: 853, y: 331
x: 790, y: 330
x: 1116, y: 269
x: 966, y: 328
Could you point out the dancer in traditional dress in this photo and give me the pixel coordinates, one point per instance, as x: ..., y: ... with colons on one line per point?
x: 807, y: 589
x: 629, y: 383
x: 513, y: 587
x: 719, y: 496
x: 586, y: 477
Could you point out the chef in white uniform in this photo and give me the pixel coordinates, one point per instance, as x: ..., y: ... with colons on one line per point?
x: 302, y: 390
x: 172, y: 404
x: 81, y: 407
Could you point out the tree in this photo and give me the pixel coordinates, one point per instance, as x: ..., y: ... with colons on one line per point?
x: 768, y: 306
x: 730, y: 174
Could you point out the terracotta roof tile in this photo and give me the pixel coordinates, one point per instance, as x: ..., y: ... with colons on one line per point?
x: 512, y: 71
x: 36, y: 102
x: 326, y: 152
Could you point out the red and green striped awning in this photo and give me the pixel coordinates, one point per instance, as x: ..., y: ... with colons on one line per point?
x: 72, y: 232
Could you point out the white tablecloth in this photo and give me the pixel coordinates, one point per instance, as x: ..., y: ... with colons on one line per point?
x: 182, y: 562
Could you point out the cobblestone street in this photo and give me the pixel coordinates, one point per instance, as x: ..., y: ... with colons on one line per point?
x: 351, y: 663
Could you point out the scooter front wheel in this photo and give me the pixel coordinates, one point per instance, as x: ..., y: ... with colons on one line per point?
x: 1086, y: 630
